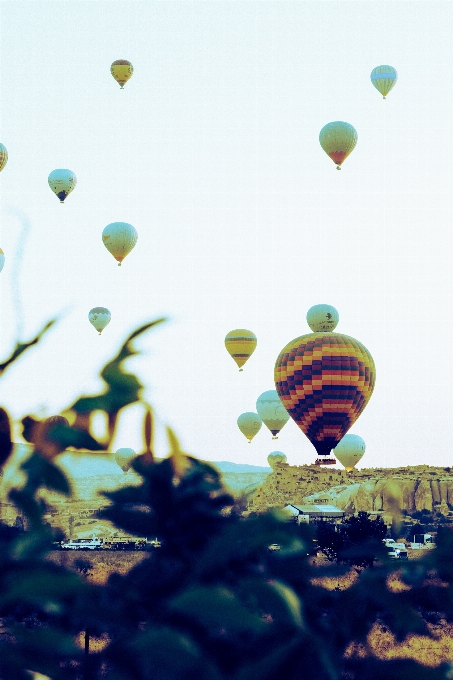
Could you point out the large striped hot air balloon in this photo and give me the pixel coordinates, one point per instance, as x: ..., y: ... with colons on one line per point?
x: 384, y: 78
x: 324, y: 381
x: 240, y: 345
x: 338, y: 139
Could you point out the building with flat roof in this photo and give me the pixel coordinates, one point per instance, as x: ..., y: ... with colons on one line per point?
x: 315, y: 512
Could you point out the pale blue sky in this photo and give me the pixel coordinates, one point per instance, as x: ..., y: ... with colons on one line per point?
x: 212, y: 153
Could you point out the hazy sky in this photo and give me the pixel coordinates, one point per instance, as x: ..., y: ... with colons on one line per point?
x: 211, y: 151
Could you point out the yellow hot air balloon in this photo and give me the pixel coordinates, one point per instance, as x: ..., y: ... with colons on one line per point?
x: 119, y: 238
x: 325, y: 381
x: 121, y: 70
x: 249, y: 424
x: 62, y: 181
x: 3, y: 156
x: 384, y: 78
x: 99, y: 317
x: 338, y: 139
x: 349, y: 451
x: 240, y: 345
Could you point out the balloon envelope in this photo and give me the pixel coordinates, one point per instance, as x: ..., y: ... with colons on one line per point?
x: 325, y: 381
x: 121, y: 70
x: 322, y: 318
x: 124, y: 458
x: 240, y: 345
x: 3, y: 156
x: 2, y: 259
x: 62, y: 182
x: 338, y: 139
x: 249, y: 424
x: 349, y: 450
x: 99, y: 317
x: 384, y: 78
x: 119, y: 238
x: 271, y: 411
x: 57, y: 420
x: 276, y: 457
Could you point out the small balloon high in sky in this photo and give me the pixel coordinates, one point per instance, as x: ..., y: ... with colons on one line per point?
x: 121, y: 70
x: 119, y: 238
x: 62, y: 182
x: 3, y: 156
x: 99, y: 317
x: 2, y: 259
x: 384, y: 78
x: 240, y: 345
x: 338, y: 139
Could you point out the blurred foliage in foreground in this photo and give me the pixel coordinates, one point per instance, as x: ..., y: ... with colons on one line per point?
x: 213, y: 603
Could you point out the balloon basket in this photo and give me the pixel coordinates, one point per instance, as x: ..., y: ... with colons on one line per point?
x: 338, y: 167
x: 240, y: 370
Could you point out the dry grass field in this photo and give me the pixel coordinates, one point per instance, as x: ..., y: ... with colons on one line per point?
x: 104, y: 562
x: 430, y: 651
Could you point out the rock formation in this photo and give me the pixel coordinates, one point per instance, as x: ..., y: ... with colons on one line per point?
x: 374, y: 489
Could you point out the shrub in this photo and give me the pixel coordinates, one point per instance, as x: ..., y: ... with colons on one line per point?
x: 213, y: 603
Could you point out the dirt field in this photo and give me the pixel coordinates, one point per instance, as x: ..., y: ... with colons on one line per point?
x: 104, y: 562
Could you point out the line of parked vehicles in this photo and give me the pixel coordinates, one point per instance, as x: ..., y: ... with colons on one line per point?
x: 95, y: 543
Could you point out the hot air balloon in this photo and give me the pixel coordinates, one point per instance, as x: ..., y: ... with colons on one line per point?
x: 99, y: 317
x: 2, y: 259
x: 349, y: 451
x: 240, y: 345
x: 121, y: 70
x: 324, y: 381
x: 62, y: 182
x: 338, y: 139
x: 119, y: 238
x: 3, y: 156
x: 249, y: 424
x: 124, y: 458
x: 57, y: 420
x: 276, y: 457
x: 384, y: 78
x: 322, y: 318
x: 272, y: 412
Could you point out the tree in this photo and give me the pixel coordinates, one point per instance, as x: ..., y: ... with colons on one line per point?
x: 357, y: 540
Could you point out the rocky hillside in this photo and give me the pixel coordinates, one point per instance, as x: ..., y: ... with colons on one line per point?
x: 414, y: 488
